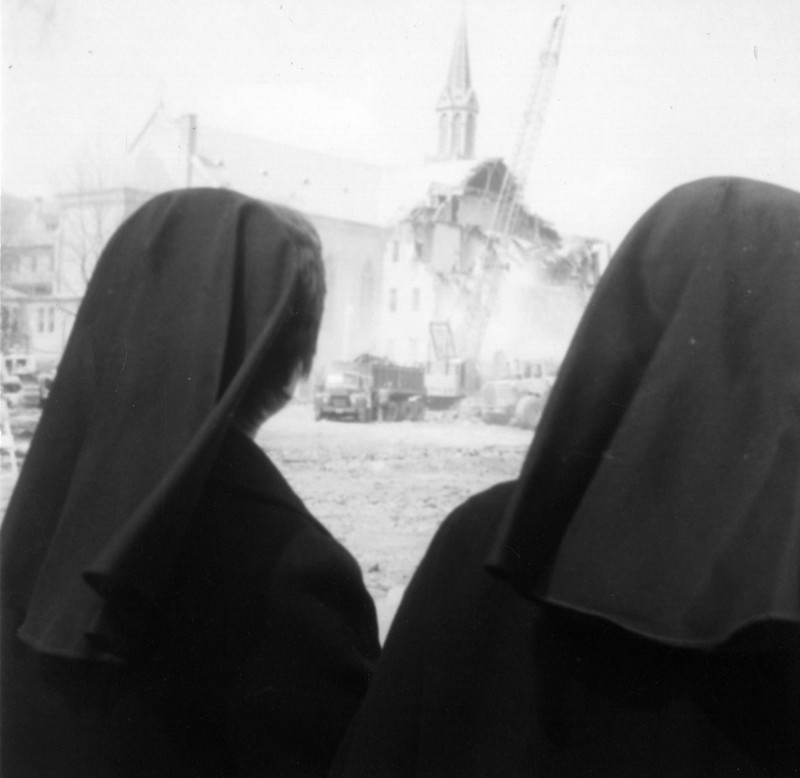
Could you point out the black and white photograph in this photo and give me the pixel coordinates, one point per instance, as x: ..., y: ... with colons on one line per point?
x: 400, y: 388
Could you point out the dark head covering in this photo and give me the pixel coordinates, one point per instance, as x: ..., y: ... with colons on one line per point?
x: 662, y: 490
x: 184, y: 305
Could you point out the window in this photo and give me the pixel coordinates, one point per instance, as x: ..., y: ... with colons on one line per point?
x: 41, y: 315
x: 443, y: 133
x: 470, y: 139
x: 393, y: 300
x: 368, y: 298
x: 51, y: 318
x: 458, y: 136
x: 415, y: 300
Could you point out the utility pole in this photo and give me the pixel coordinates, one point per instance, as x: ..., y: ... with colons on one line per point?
x: 190, y: 129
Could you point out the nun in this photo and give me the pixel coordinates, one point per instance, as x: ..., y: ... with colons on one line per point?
x: 169, y: 605
x: 630, y: 606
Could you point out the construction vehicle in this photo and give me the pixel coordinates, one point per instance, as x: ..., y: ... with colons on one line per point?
x: 482, y: 292
x: 343, y: 394
x: 530, y: 130
x: 446, y: 374
x: 370, y: 388
x: 517, y: 400
x: 447, y: 377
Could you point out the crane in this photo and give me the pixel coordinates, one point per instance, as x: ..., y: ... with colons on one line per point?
x: 483, y: 298
x: 516, y: 174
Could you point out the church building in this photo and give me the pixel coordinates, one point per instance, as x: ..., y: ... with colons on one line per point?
x: 406, y: 249
x: 469, y: 261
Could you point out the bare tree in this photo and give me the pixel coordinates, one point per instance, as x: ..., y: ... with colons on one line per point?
x: 91, y: 209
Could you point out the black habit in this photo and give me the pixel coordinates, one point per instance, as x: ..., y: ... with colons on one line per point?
x: 630, y: 606
x: 263, y: 653
x: 169, y: 606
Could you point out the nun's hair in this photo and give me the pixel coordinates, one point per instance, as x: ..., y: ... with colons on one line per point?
x: 296, y: 342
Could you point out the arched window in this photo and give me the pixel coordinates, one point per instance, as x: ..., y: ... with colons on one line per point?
x: 368, y: 290
x: 444, y: 126
x: 469, y: 149
x: 458, y: 135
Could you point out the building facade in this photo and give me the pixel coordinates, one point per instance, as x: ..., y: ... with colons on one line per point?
x: 36, y: 314
x: 506, y: 300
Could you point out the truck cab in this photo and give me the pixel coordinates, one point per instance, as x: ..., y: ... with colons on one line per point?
x: 345, y: 393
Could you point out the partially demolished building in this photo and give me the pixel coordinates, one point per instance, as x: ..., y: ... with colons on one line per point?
x: 471, y: 274
x: 507, y: 297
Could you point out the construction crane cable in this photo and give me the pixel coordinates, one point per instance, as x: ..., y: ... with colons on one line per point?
x: 517, y: 172
x: 483, y: 296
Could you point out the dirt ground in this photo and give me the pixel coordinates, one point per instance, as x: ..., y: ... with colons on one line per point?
x: 381, y: 489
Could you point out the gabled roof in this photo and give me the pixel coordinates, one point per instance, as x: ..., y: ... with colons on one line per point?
x: 310, y: 181
x: 307, y: 180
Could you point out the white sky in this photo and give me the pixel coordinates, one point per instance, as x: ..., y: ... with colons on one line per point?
x: 649, y: 93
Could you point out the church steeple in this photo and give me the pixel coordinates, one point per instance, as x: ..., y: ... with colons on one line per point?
x: 457, y: 107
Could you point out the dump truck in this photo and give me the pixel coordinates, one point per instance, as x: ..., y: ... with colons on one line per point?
x: 371, y: 388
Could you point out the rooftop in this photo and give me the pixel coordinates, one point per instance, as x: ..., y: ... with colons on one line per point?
x: 310, y: 181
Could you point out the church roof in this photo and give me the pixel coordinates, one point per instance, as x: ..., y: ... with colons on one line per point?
x: 312, y: 182
x: 309, y: 181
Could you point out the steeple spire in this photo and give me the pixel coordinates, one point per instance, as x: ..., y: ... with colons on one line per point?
x: 457, y: 107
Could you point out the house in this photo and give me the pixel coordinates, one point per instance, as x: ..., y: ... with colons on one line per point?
x: 36, y: 314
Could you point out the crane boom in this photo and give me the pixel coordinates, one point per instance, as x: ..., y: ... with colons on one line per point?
x: 484, y: 292
x: 531, y: 127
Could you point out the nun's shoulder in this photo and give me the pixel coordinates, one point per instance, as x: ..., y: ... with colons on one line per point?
x: 469, y: 531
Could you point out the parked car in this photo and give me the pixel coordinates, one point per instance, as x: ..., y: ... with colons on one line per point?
x: 30, y: 389
x: 12, y: 390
